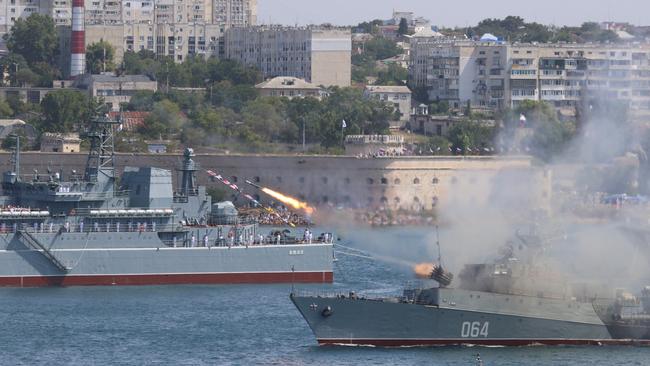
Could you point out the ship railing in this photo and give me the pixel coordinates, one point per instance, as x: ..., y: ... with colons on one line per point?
x: 234, y: 220
x: 335, y: 294
x: 135, y: 227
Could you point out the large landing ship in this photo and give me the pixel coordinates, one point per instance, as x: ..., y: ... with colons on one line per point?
x: 513, y: 301
x: 90, y: 230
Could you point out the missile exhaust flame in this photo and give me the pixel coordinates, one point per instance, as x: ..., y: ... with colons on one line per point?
x: 423, y: 270
x: 297, y: 204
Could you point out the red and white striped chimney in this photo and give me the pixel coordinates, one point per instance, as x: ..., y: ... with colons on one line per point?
x: 78, y: 41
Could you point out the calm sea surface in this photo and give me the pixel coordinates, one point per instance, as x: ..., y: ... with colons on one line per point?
x: 241, y: 324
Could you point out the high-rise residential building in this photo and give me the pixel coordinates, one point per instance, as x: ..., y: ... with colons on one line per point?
x: 318, y: 55
x: 235, y: 13
x: 496, y: 74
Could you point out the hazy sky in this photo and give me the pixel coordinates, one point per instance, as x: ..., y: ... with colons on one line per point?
x: 453, y: 13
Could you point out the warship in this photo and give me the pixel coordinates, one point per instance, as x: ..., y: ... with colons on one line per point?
x: 97, y: 228
x: 516, y: 299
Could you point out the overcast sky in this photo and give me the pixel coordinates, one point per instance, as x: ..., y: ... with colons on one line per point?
x: 453, y: 13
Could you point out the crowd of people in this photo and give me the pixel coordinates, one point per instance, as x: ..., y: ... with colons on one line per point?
x: 391, y: 218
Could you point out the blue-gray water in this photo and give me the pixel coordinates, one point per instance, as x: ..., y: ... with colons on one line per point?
x: 238, y: 324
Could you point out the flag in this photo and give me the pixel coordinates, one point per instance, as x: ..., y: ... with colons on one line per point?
x: 343, y: 124
x: 522, y: 120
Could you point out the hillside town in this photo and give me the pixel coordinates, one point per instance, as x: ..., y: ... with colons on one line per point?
x: 210, y: 76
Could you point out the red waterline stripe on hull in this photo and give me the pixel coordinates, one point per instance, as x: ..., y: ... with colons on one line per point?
x: 482, y: 342
x: 167, y: 279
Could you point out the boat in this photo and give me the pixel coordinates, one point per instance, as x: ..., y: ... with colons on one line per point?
x: 517, y: 299
x: 97, y: 228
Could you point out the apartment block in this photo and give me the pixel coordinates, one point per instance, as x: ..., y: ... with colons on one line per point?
x: 321, y: 56
x: 178, y: 41
x: 495, y: 75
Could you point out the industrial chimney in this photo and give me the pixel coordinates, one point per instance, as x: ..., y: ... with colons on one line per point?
x: 78, y: 40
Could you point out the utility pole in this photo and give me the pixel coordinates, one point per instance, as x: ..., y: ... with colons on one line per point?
x: 303, y: 134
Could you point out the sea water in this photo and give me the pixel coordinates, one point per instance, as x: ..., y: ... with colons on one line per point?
x: 243, y: 324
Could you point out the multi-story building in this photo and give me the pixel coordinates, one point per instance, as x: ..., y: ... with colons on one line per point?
x: 398, y: 96
x: 115, y: 90
x: 321, y: 56
x: 178, y: 41
x: 496, y: 75
x: 288, y: 87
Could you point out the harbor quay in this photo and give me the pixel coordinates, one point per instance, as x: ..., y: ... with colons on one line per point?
x: 397, y: 183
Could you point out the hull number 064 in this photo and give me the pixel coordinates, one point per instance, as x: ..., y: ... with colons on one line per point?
x: 474, y: 329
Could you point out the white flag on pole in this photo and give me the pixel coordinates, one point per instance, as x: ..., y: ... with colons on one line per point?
x: 343, y: 124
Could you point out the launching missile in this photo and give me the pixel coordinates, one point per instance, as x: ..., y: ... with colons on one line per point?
x: 253, y: 184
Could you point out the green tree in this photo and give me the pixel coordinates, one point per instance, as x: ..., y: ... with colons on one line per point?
x: 99, y: 57
x: 35, y: 38
x: 5, y: 109
x: 471, y: 137
x: 393, y: 75
x: 66, y: 110
x: 403, y: 27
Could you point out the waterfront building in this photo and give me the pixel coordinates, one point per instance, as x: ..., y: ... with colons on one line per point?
x: 319, y: 55
x: 60, y: 142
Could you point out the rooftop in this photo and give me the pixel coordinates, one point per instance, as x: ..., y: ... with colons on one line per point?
x: 286, y: 82
x: 387, y: 89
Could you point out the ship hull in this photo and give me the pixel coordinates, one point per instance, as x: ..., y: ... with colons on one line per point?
x: 93, y: 259
x: 345, y: 321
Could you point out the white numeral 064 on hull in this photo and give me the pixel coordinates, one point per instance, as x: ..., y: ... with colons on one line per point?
x: 474, y: 329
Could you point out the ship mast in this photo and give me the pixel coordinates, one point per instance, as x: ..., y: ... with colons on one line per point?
x: 100, y: 166
x: 15, y: 158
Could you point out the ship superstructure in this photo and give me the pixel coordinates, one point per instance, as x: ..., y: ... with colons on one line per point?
x: 92, y: 228
x: 514, y: 300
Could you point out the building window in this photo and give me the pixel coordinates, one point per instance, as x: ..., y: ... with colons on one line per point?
x: 370, y: 181
x: 397, y: 181
x: 384, y: 181
x: 416, y: 181
x: 435, y: 180
x: 384, y: 200
x: 396, y: 200
x: 434, y: 201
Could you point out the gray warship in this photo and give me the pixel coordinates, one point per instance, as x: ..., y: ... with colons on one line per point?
x: 96, y: 229
x: 515, y: 300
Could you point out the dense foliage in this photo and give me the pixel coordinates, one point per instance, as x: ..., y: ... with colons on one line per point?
x: 515, y: 29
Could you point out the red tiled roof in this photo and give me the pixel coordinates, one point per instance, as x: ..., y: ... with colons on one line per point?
x: 130, y: 120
